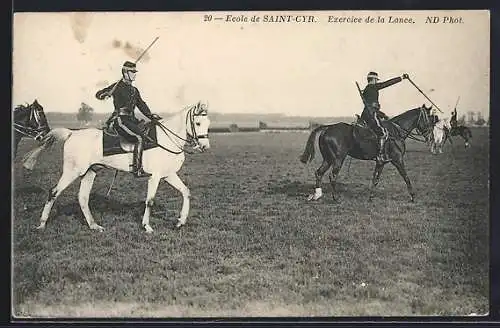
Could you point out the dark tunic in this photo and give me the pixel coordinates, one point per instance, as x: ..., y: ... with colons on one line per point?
x: 453, y: 120
x: 125, y: 98
x: 370, y: 95
x: 372, y: 106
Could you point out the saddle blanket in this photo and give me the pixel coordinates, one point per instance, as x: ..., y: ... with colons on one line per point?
x: 114, y: 144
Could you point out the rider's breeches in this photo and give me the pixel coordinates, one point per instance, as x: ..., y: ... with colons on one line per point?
x: 127, y: 126
x: 375, y: 124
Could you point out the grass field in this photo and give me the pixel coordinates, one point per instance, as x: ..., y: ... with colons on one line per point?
x: 252, y: 245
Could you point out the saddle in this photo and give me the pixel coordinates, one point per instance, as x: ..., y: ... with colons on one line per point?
x: 113, y: 143
x: 363, y: 134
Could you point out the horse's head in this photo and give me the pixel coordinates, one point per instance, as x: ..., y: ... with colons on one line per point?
x: 434, y: 118
x: 32, y: 119
x: 198, y: 126
x: 424, y: 122
x: 447, y: 123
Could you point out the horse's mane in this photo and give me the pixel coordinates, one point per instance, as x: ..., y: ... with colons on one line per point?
x: 403, y: 115
x: 185, y: 108
x: 19, y: 107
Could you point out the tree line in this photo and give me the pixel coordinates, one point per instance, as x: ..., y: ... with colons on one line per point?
x: 85, y: 115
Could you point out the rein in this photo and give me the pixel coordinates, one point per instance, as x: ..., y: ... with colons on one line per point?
x: 28, y: 132
x: 192, y: 138
x: 412, y: 135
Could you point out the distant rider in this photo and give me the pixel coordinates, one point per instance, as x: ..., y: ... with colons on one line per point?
x: 453, y: 120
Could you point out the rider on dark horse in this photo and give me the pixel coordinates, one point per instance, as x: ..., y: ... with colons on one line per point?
x: 125, y: 98
x: 453, y: 120
x: 372, y: 113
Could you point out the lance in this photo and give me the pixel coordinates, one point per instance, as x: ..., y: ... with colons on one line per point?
x: 424, y: 95
x: 146, y: 50
x: 457, y: 103
x: 135, y: 62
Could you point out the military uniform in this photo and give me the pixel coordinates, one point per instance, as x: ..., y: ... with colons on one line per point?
x: 453, y: 120
x: 371, y: 112
x: 125, y: 98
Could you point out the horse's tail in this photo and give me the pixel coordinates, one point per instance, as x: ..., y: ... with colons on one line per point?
x: 308, y: 154
x: 58, y: 134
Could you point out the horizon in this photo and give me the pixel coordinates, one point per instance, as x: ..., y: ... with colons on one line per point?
x: 277, y: 115
x: 304, y: 70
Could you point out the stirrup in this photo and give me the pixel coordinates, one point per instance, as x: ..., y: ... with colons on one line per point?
x: 141, y: 174
x: 383, y: 158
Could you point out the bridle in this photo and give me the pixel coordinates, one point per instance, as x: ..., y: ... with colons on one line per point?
x: 427, y: 123
x: 193, y: 139
x: 35, y: 133
x: 421, y: 116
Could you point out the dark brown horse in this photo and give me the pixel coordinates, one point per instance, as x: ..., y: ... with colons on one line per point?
x: 459, y: 130
x: 29, y: 121
x: 336, y: 141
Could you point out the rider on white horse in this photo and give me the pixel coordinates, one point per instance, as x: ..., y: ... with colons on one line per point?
x: 125, y: 98
x: 439, y: 132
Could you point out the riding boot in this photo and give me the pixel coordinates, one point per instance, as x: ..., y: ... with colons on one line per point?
x: 137, y: 161
x: 382, y: 156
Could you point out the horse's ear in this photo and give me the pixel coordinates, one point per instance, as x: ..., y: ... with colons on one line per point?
x: 35, y: 102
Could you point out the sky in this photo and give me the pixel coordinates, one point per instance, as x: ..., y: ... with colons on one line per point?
x: 304, y: 69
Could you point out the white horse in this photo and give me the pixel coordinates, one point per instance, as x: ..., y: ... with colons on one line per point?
x: 439, y: 135
x: 83, y: 154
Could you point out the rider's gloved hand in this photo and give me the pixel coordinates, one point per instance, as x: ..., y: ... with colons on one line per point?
x: 154, y: 117
x: 103, y: 96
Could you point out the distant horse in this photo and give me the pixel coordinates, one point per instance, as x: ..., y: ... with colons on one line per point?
x: 88, y: 149
x: 439, y: 135
x: 336, y: 141
x: 461, y: 131
x: 29, y: 121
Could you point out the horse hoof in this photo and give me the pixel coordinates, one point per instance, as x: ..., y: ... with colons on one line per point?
x: 148, y: 228
x: 40, y: 227
x: 97, y: 227
x: 180, y: 223
x: 313, y: 197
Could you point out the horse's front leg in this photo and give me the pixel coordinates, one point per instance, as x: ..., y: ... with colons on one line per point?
x: 153, y: 183
x: 177, y: 183
x: 376, y: 178
x: 400, y: 166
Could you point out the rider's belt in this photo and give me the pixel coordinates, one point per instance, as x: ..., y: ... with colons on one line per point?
x: 124, y: 111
